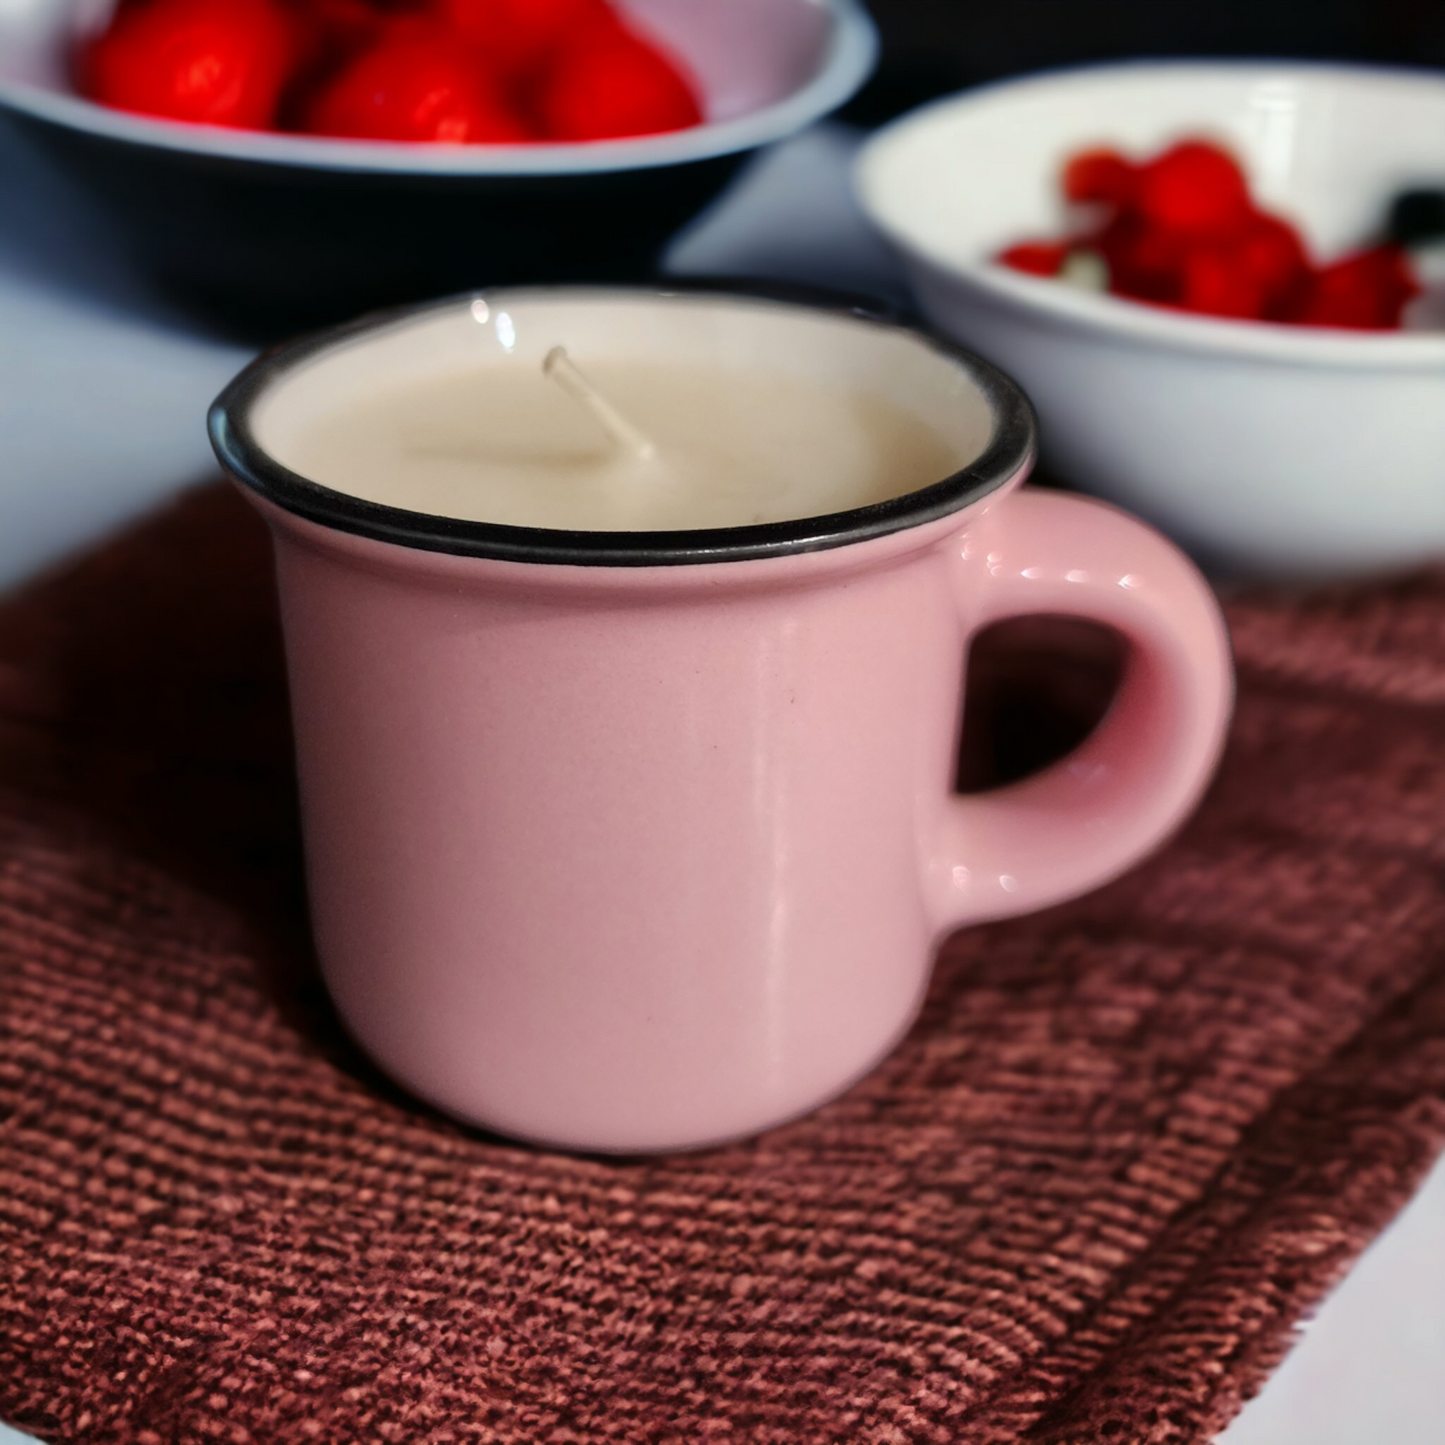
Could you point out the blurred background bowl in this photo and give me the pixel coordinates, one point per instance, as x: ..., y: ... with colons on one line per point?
x: 270, y: 232
x: 1267, y: 449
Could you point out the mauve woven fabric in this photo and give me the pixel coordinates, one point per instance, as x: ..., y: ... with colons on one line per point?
x: 1128, y: 1145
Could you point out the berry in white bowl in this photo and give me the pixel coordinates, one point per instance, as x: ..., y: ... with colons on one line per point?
x: 1268, y: 449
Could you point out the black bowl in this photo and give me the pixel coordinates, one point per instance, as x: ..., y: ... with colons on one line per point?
x: 268, y: 233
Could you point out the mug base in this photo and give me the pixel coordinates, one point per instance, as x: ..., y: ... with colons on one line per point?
x: 639, y: 1143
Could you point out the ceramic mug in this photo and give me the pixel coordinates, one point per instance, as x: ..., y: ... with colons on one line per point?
x: 628, y: 841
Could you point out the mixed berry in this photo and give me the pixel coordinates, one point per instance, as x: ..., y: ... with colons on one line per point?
x: 1181, y: 230
x: 463, y: 72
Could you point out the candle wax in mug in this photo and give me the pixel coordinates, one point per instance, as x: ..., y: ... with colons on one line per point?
x: 505, y: 444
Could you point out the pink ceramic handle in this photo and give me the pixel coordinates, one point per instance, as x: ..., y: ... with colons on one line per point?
x: 1091, y: 816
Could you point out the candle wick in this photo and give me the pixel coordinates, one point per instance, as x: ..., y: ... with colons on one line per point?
x: 564, y: 371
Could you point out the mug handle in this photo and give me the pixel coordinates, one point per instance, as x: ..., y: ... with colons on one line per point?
x: 1088, y: 818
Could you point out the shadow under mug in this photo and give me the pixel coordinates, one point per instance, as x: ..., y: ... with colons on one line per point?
x: 629, y: 841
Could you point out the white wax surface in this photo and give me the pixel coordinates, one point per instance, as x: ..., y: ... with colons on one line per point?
x: 505, y: 444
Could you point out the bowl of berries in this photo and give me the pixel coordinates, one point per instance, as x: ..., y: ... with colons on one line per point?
x: 289, y: 162
x: 1222, y: 283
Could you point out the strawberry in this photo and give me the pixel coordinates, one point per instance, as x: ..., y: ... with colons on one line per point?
x: 330, y: 33
x: 414, y: 83
x: 1366, y: 292
x: 1180, y: 230
x: 608, y: 82
x: 1100, y: 176
x: 1214, y: 282
x: 216, y: 62
x: 519, y: 37
x: 1194, y: 189
x: 339, y: 26
x: 1145, y: 263
x: 1035, y: 258
x: 1273, y: 254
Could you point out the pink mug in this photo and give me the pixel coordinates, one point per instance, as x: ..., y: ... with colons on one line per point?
x: 629, y: 841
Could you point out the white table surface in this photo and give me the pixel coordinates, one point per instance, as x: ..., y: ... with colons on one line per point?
x: 102, y: 402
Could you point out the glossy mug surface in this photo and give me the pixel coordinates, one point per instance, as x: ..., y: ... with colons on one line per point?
x: 636, y: 841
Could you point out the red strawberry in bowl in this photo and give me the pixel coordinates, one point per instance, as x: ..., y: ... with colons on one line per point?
x: 217, y: 62
x: 607, y: 82
x: 415, y: 83
x: 519, y: 37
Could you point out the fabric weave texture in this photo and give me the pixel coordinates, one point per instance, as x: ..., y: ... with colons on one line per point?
x: 1128, y: 1145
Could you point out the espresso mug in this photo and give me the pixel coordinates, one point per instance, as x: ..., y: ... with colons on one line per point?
x: 630, y: 824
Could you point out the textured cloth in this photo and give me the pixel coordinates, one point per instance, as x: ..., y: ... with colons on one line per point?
x: 1128, y: 1145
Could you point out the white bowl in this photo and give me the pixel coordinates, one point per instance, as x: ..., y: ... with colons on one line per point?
x: 1267, y: 449
x: 293, y: 229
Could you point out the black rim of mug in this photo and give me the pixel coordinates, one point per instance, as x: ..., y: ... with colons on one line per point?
x: 1011, y: 449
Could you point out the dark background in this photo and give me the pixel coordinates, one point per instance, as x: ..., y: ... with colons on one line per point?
x: 931, y: 47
